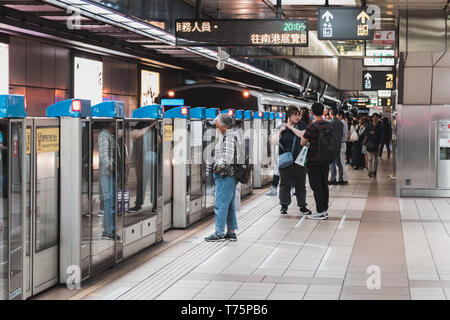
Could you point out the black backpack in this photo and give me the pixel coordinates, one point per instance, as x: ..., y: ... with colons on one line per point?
x: 328, y: 148
x: 242, y: 172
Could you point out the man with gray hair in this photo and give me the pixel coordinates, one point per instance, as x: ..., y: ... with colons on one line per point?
x: 226, y: 147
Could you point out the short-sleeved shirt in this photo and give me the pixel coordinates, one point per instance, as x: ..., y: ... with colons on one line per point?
x: 312, y: 134
x: 287, y: 138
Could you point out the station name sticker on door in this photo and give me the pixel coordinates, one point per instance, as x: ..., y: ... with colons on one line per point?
x: 168, y: 133
x: 28, y: 135
x: 47, y: 140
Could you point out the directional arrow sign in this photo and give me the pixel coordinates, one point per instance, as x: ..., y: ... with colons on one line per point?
x: 345, y: 24
x: 379, y: 80
x: 363, y: 16
x: 327, y: 16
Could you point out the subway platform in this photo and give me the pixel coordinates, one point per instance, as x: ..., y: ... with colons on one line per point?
x: 373, y: 246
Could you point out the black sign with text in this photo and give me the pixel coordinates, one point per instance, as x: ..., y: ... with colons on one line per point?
x: 240, y: 32
x: 344, y: 24
x: 378, y: 80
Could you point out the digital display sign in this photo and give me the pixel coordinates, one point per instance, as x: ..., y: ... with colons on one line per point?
x: 149, y: 87
x: 240, y: 32
x: 378, y: 80
x: 344, y: 24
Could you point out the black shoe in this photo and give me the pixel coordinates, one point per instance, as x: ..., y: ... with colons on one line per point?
x: 283, y: 210
x: 341, y: 183
x: 375, y: 174
x: 215, y: 238
x: 104, y: 235
x: 305, y: 211
x: 114, y: 237
x: 135, y: 209
x: 370, y: 174
x: 230, y: 236
x: 332, y: 183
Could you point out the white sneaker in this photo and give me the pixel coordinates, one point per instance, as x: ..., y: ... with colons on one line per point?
x: 272, y: 191
x: 319, y: 216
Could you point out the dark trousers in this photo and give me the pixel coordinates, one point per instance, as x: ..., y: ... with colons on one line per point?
x: 388, y: 148
x: 356, y: 154
x: 275, y: 181
x: 318, y: 180
x: 348, y: 152
x: 294, y: 175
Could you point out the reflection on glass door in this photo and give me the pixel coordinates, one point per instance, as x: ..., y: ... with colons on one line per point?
x: 103, y: 196
x: 141, y: 140
x: 4, y: 209
x: 86, y: 162
x: 210, y: 135
x: 196, y: 159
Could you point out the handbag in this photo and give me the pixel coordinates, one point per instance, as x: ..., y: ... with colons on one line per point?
x: 286, y: 159
x: 355, y: 136
x: 302, y: 157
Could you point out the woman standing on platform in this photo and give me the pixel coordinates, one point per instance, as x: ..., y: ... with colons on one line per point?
x: 288, y: 137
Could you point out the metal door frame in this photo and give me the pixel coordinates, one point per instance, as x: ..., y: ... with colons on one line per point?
x: 9, y: 204
x: 44, y: 122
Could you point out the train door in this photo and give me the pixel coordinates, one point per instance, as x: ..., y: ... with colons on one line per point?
x: 208, y: 146
x: 107, y: 181
x: 42, y: 209
x: 11, y: 208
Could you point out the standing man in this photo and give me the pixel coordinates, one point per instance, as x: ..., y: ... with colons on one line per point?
x: 374, y: 132
x: 340, y: 116
x: 317, y: 173
x: 338, y: 131
x: 226, y: 146
x: 106, y: 151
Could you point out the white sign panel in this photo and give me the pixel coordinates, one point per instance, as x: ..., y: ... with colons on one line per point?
x: 4, y: 68
x: 384, y: 93
x: 149, y: 87
x: 384, y: 37
x: 88, y: 80
x: 196, y: 133
x: 383, y: 59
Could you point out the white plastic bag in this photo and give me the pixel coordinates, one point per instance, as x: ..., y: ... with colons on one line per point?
x: 301, y: 159
x: 237, y: 199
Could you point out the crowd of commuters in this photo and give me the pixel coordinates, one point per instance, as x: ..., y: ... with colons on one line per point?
x: 358, y: 141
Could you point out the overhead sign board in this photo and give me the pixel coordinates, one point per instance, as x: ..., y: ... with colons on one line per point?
x: 378, y: 80
x: 344, y: 24
x: 360, y: 100
x: 240, y: 32
x: 379, y: 58
x: 384, y: 37
x: 386, y: 102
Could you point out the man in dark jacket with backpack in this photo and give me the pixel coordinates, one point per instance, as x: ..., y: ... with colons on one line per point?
x: 321, y: 153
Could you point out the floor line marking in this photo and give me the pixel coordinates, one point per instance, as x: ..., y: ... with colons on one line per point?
x: 300, y: 222
x: 342, y: 222
x: 268, y: 259
x: 204, y: 263
x: 325, y: 258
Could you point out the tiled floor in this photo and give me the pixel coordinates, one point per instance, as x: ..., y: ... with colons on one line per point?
x: 374, y: 246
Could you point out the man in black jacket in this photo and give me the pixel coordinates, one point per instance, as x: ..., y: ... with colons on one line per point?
x: 375, y: 137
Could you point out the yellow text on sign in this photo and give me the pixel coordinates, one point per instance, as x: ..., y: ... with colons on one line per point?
x: 47, y: 140
x: 168, y: 133
x: 28, y: 140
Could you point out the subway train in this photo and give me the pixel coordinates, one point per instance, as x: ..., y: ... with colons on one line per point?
x: 85, y: 187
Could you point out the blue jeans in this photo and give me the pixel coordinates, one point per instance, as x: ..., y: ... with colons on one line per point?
x: 337, y: 162
x: 224, y: 209
x: 388, y: 148
x: 108, y: 189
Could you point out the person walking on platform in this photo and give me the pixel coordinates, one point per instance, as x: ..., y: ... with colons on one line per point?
x: 387, y: 137
x: 340, y: 116
x: 226, y: 147
x: 288, y: 138
x: 348, y: 153
x: 356, y: 136
x: 374, y: 132
x: 338, y: 131
x: 317, y: 173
